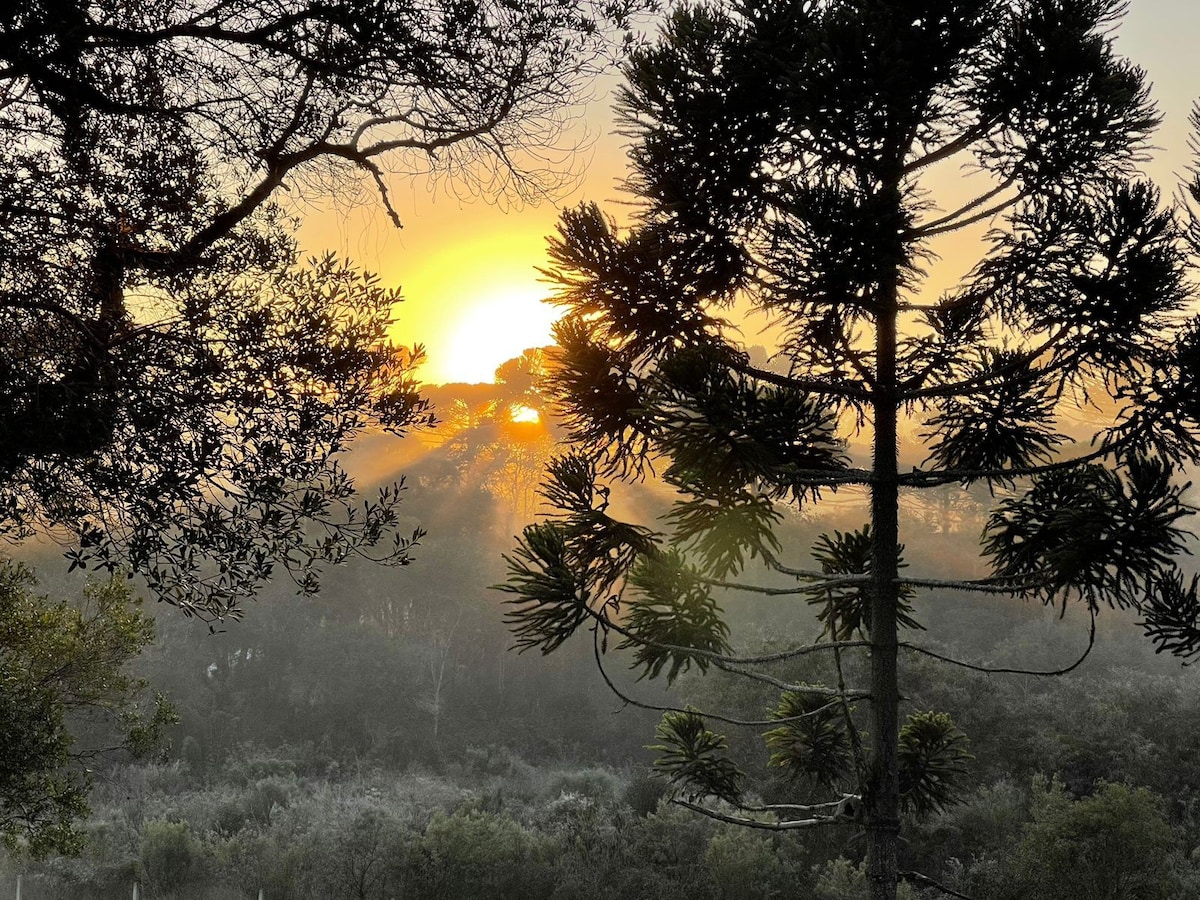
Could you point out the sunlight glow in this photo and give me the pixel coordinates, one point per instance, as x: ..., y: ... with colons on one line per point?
x: 495, y: 329
x: 519, y: 413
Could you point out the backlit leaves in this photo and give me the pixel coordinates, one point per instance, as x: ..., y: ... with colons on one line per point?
x: 1090, y: 532
x: 722, y: 431
x: 671, y: 611
x: 600, y: 398
x: 1010, y: 425
x: 695, y: 759
x: 845, y: 610
x: 722, y: 532
x: 568, y: 569
x: 551, y: 599
x: 1172, y: 616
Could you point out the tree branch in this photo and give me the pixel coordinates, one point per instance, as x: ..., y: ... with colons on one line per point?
x: 721, y: 661
x: 976, y: 586
x: 920, y: 478
x: 754, y: 823
x: 960, y: 143
x: 845, y: 389
x: 788, y: 686
x: 1000, y: 670
x: 923, y: 229
x: 728, y: 720
x: 823, y: 584
x: 925, y: 881
x: 928, y: 232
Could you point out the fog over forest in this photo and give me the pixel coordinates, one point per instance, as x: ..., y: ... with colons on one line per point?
x: 383, y: 739
x: 839, y: 545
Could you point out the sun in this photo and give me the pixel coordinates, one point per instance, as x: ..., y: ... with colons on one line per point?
x: 520, y: 414
x: 495, y: 329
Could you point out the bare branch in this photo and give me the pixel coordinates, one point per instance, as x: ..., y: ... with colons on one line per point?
x: 929, y: 231
x: 925, y: 881
x: 920, y: 478
x: 717, y: 717
x: 1000, y: 670
x: 824, y: 577
x: 841, y: 388
x: 860, y: 763
x: 794, y: 825
x: 960, y: 143
x: 947, y: 220
x: 822, y: 585
x: 977, y: 586
x: 789, y: 686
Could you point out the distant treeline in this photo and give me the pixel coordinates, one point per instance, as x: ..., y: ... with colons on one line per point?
x: 1082, y: 784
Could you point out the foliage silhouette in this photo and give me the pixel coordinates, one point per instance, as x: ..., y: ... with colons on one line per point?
x: 174, y: 393
x: 783, y: 157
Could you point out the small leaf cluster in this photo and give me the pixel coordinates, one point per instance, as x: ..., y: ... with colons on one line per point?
x: 694, y: 759
x: 1172, y: 617
x: 1090, y: 532
x: 670, y: 612
x: 812, y: 740
x: 933, y: 760
x: 845, y: 611
x: 572, y: 568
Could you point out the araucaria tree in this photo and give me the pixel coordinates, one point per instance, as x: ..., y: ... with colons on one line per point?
x: 174, y: 391
x: 786, y: 154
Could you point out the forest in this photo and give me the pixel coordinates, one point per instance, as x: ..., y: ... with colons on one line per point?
x: 369, y: 745
x: 838, y: 546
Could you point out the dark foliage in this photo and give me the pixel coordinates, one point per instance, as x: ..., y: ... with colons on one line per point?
x: 176, y: 395
x: 780, y: 154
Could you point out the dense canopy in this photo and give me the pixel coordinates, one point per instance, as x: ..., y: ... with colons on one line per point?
x: 174, y: 392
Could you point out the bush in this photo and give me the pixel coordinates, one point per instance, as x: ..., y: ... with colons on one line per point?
x: 644, y: 792
x: 170, y: 855
x: 475, y: 854
x: 741, y: 864
x: 1114, y: 845
x: 266, y: 796
x: 840, y: 879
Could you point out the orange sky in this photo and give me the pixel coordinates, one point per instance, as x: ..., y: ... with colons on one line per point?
x: 468, y: 269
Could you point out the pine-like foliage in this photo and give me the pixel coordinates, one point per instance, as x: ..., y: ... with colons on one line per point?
x: 791, y: 157
x: 845, y: 611
x: 695, y: 759
x: 933, y: 762
x: 671, y: 611
x: 813, y: 740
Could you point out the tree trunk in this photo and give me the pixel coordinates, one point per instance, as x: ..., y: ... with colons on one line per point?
x: 883, y: 783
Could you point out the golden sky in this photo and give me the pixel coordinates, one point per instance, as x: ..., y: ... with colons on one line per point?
x: 468, y: 269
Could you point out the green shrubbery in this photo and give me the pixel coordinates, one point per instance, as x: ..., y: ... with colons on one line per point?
x: 585, y: 833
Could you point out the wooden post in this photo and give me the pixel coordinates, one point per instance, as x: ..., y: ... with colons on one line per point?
x: 136, y: 893
x: 18, y: 887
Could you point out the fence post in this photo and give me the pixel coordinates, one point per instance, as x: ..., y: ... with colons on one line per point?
x: 136, y: 893
x: 19, y: 887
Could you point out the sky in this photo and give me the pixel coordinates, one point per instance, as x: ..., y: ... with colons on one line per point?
x: 468, y: 268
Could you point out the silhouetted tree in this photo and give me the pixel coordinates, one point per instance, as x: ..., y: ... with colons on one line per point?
x: 172, y: 392
x: 782, y: 155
